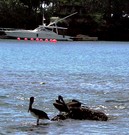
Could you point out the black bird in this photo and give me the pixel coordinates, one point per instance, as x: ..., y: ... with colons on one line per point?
x: 74, y: 103
x: 61, y: 105
x: 37, y: 113
x: 65, y: 107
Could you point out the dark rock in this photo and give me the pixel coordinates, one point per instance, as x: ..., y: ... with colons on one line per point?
x: 60, y: 117
x: 82, y: 113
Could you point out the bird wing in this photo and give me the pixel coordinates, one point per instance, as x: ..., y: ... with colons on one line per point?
x: 41, y: 114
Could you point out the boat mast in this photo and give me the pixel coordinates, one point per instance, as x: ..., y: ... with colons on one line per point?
x: 43, y: 19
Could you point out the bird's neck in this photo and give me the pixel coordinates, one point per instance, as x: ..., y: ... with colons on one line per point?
x: 30, y: 106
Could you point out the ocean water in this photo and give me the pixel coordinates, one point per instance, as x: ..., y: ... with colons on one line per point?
x: 95, y: 73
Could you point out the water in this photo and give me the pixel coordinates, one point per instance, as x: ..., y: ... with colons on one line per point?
x: 96, y: 73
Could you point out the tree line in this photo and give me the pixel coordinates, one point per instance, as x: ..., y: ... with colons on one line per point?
x: 100, y: 15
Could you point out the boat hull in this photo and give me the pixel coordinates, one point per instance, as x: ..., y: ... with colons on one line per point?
x: 33, y: 34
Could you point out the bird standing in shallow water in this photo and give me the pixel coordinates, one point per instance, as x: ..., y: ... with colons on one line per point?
x: 39, y: 114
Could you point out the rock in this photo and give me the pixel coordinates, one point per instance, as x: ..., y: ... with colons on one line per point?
x: 82, y: 113
x: 60, y: 117
x: 87, y: 114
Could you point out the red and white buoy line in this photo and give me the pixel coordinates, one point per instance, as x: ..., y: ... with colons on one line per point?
x: 38, y: 39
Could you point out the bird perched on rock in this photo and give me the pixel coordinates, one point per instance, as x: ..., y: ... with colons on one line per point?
x: 74, y: 110
x: 61, y: 105
x: 65, y: 107
x: 74, y: 103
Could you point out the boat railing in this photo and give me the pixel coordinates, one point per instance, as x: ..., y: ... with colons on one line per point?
x: 4, y: 29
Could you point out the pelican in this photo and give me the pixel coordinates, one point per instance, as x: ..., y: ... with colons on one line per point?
x: 65, y: 107
x: 61, y: 105
x: 74, y: 103
x: 39, y: 114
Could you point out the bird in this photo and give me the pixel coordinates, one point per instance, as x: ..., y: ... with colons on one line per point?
x: 61, y: 105
x: 39, y: 114
x: 65, y: 107
x: 74, y: 110
x: 74, y: 103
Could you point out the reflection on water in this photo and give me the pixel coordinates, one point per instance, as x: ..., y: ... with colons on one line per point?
x: 95, y: 73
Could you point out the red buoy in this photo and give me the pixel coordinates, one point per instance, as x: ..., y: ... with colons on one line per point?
x: 18, y: 38
x: 54, y: 40
x: 25, y: 39
x: 46, y: 40
x: 32, y: 39
x: 51, y: 40
x: 37, y: 39
x: 41, y: 40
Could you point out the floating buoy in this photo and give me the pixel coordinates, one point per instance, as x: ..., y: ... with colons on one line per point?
x: 41, y: 40
x: 18, y: 38
x: 51, y: 40
x: 46, y: 40
x: 25, y: 39
x: 32, y: 39
x: 37, y: 39
x: 54, y: 40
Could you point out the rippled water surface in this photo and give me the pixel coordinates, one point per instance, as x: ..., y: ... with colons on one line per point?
x: 96, y: 73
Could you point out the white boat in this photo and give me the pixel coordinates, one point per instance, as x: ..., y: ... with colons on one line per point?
x: 40, y: 32
x: 43, y: 32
